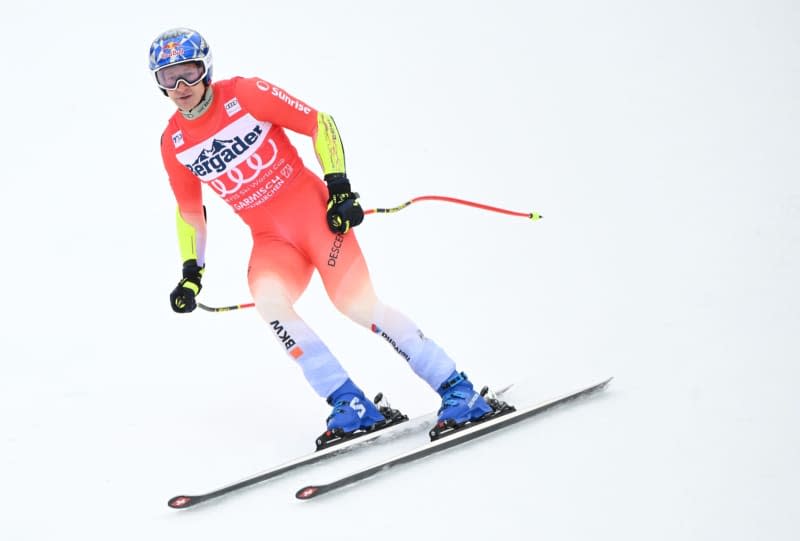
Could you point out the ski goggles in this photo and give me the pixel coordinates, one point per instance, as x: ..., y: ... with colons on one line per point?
x: 190, y: 73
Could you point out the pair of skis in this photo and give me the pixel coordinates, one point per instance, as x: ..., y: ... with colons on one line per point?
x: 450, y: 440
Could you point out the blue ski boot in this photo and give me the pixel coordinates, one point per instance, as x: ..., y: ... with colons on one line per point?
x: 460, y: 402
x: 353, y: 415
x: 351, y: 410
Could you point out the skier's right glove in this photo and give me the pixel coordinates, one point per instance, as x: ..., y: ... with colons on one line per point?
x: 182, y: 298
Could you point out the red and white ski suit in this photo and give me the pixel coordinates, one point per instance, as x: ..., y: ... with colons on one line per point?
x: 238, y: 148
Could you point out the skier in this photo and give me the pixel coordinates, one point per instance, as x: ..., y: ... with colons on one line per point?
x: 229, y: 135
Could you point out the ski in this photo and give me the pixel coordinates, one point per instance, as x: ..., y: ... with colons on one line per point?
x: 391, y: 432
x: 451, y: 440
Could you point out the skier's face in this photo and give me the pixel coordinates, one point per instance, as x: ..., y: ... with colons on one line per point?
x: 187, y: 97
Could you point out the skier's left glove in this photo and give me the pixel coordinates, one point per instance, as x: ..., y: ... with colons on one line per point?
x: 182, y: 298
x: 344, y: 211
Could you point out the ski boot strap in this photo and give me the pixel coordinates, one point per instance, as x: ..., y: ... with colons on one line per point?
x: 453, y: 381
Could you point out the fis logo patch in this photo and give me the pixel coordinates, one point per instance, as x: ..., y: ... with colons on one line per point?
x: 177, y: 139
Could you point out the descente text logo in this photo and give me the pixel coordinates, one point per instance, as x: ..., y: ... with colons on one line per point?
x: 338, y: 240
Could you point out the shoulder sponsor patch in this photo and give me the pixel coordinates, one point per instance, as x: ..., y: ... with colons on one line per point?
x: 232, y: 107
x: 177, y: 139
x: 290, y: 100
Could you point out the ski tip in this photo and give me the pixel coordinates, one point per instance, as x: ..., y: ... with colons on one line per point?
x: 179, y: 502
x: 306, y: 493
x: 601, y: 386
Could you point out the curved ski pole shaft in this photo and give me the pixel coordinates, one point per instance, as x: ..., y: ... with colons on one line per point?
x: 447, y: 199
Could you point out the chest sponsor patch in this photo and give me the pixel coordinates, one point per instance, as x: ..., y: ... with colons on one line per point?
x: 226, y: 150
x: 237, y: 161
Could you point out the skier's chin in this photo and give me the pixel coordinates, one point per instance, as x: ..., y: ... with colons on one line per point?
x: 186, y: 102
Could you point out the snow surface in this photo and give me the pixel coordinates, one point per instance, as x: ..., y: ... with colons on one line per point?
x: 659, y: 140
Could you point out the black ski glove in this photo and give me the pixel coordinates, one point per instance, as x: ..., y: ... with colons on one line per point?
x: 344, y: 210
x: 182, y: 298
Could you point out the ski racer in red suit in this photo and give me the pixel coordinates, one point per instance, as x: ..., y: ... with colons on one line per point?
x: 229, y: 136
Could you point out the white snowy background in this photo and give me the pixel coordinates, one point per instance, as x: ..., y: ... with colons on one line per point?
x: 660, y: 141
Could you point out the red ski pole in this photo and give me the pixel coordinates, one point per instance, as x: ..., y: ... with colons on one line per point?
x: 443, y: 198
x: 447, y: 199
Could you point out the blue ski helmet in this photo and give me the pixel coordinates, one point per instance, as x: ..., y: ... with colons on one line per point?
x: 179, y: 45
